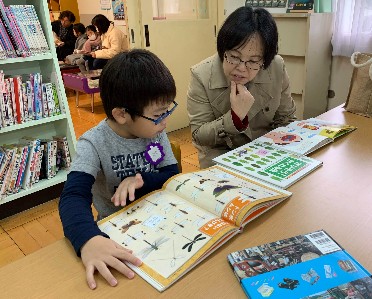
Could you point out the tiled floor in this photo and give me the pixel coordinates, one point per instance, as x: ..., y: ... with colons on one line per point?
x: 33, y: 229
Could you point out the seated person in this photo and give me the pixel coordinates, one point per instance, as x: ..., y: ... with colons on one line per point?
x: 81, y: 38
x: 113, y: 39
x: 92, y: 44
x: 64, y: 37
x: 113, y: 164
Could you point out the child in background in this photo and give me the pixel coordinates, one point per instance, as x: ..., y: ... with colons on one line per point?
x: 124, y: 157
x: 92, y: 44
x: 81, y: 39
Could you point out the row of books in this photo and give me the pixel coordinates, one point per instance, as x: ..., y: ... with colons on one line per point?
x: 32, y: 99
x: 21, y: 34
x: 266, y: 3
x: 30, y: 160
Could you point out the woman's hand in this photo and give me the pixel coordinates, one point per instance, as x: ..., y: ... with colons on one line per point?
x: 241, y: 100
x: 127, y: 188
x: 100, y: 253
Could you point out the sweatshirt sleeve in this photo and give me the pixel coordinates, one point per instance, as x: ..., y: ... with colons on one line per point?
x: 75, y: 210
x: 155, y: 180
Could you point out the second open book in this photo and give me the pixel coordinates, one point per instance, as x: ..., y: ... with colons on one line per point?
x: 278, y: 157
x: 175, y: 228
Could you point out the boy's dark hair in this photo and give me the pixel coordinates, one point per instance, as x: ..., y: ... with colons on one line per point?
x: 102, y: 23
x: 240, y: 26
x: 134, y: 79
x: 91, y: 28
x: 69, y: 14
x: 78, y: 27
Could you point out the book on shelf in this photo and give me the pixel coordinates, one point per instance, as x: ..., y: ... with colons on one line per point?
x: 270, y: 164
x: 305, y: 136
x: 300, y: 6
x: 173, y: 229
x: 309, y: 266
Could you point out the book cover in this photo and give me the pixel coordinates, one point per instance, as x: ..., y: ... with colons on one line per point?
x: 306, y: 266
x: 300, y: 6
x: 173, y: 229
x: 268, y: 163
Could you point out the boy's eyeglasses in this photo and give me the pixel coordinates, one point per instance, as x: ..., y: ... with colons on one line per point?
x: 252, y: 65
x: 160, y: 118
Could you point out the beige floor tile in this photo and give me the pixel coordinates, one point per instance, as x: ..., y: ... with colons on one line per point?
x: 5, y: 241
x: 52, y: 223
x: 29, y: 215
x: 41, y: 235
x: 24, y: 240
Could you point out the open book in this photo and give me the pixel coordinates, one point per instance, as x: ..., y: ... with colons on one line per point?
x: 306, y: 136
x: 309, y: 266
x: 268, y: 163
x: 173, y: 229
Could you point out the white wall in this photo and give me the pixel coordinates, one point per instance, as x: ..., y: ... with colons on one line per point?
x: 88, y: 9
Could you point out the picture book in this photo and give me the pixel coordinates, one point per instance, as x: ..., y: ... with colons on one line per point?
x: 265, y: 162
x: 304, y: 137
x: 173, y: 229
x: 310, y: 266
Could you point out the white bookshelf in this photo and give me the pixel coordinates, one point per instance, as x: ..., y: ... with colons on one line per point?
x: 47, y: 65
x: 305, y: 45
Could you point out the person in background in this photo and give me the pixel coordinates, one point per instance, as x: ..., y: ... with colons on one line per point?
x: 64, y: 35
x: 114, y: 162
x: 242, y: 91
x: 81, y: 36
x: 51, y: 16
x: 113, y: 39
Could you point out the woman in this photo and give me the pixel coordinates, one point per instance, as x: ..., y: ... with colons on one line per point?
x: 243, y: 91
x: 113, y: 40
x: 64, y: 34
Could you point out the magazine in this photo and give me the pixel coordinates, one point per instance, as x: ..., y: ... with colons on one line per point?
x: 173, y: 229
x: 309, y: 266
x: 304, y: 137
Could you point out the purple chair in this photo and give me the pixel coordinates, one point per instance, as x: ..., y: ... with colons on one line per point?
x: 79, y: 84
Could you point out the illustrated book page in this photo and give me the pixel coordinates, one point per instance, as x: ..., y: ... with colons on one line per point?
x: 321, y: 127
x: 306, y: 266
x: 294, y: 139
x: 268, y: 163
x: 173, y: 229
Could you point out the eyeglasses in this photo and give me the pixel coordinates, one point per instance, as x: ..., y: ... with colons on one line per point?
x: 160, y: 118
x: 252, y: 65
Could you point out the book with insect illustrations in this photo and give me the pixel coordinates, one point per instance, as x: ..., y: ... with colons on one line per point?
x: 308, y: 266
x: 173, y: 229
x: 268, y: 163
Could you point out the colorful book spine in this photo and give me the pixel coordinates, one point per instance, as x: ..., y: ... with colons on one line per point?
x: 17, y: 85
x: 63, y: 150
x: 11, y: 53
x: 22, y: 167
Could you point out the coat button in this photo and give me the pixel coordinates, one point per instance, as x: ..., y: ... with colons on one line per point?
x: 267, y: 109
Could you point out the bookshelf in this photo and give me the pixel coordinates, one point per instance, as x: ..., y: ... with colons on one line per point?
x: 305, y: 45
x: 47, y: 65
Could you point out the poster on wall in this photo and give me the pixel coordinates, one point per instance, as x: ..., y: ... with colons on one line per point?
x: 118, y: 11
x: 105, y: 4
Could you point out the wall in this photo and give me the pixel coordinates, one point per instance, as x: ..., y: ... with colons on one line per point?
x: 88, y: 9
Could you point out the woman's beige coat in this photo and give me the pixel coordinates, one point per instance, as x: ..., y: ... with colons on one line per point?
x: 208, y: 104
x: 114, y: 41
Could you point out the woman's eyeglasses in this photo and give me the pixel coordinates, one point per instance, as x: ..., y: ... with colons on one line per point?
x: 252, y: 65
x: 160, y: 118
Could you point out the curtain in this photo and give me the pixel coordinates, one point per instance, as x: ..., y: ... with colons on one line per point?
x: 352, y: 30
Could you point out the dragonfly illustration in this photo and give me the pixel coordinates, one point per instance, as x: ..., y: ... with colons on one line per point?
x: 152, y: 246
x: 220, y: 189
x: 192, y: 242
x: 179, y: 225
x: 181, y: 184
x: 173, y: 258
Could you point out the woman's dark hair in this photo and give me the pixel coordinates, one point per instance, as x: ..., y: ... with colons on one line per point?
x: 241, y: 25
x: 78, y: 27
x: 69, y: 14
x: 135, y: 79
x: 91, y: 28
x: 102, y: 23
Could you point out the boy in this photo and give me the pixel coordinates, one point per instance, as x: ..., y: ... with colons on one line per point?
x: 124, y: 157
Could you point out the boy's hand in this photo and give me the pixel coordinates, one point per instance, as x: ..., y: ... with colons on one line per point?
x: 127, y: 188
x: 99, y: 253
x: 241, y: 100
